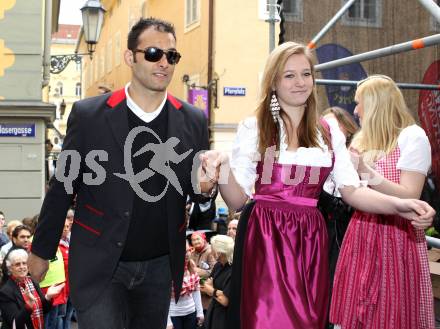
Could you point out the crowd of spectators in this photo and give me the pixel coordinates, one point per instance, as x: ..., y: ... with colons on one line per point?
x: 25, y: 303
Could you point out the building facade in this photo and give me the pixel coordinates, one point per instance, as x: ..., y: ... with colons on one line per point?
x: 25, y: 28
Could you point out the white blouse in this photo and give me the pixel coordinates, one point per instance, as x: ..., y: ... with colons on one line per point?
x: 245, y: 156
x: 415, y: 150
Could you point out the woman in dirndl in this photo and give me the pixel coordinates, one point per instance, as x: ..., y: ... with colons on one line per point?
x: 281, y: 159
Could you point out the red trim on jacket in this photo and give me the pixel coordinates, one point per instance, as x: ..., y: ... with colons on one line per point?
x: 76, y: 221
x: 116, y: 97
x: 119, y: 95
x: 178, y: 105
x: 94, y: 210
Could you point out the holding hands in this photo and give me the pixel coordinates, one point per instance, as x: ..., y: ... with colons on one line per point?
x: 211, y: 164
x: 210, y: 170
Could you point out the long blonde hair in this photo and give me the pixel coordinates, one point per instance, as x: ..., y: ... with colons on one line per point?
x: 385, y: 115
x: 268, y: 132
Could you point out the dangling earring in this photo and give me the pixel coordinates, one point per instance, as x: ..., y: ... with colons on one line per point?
x: 274, y: 107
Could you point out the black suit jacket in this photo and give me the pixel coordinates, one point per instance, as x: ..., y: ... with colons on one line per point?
x: 12, y: 306
x: 103, y: 211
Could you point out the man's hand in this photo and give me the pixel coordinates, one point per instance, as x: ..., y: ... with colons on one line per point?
x: 37, y: 267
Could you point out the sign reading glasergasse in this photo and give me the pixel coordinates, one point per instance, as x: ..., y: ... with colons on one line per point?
x: 234, y: 91
x: 17, y: 130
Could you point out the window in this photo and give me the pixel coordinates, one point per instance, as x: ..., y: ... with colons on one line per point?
x: 435, y: 25
x: 78, y: 89
x: 87, y: 75
x: 264, y: 7
x: 109, y: 59
x: 101, y: 69
x: 192, y: 11
x: 134, y: 14
x: 59, y: 88
x: 95, y: 68
x: 364, y: 13
x: 117, y: 48
x: 293, y: 10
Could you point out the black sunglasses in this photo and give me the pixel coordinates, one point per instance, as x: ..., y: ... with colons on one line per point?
x: 154, y: 54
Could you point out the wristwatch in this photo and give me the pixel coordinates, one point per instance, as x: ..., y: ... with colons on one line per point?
x: 214, y: 293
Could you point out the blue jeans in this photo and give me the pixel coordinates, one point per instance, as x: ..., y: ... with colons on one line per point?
x: 188, y: 321
x: 138, y: 297
x: 54, y: 319
x: 68, y: 317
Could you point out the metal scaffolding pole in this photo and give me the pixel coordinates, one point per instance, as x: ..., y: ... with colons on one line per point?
x: 391, y: 50
x: 272, y: 20
x: 432, y: 7
x: 401, y: 85
x: 433, y: 242
x: 320, y: 34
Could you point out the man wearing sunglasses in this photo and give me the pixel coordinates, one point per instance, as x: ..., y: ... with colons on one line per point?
x: 125, y: 250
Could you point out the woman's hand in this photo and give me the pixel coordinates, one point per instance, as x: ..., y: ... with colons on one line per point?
x: 54, y: 290
x: 30, y: 300
x: 419, y: 212
x: 358, y: 162
x: 207, y: 287
x: 200, y: 320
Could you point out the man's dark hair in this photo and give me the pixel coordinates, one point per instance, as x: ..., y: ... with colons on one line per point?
x: 145, y: 23
x: 1, y: 213
x: 18, y: 229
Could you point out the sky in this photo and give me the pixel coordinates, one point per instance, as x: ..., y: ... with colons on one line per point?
x: 70, y: 12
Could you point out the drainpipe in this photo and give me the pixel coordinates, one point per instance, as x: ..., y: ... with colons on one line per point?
x: 210, y: 64
x: 47, y: 41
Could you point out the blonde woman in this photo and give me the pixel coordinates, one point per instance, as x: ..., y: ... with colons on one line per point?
x: 282, y: 235
x: 218, y: 285
x: 382, y: 277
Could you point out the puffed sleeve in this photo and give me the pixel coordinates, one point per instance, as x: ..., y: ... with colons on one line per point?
x: 415, y: 150
x: 244, y: 157
x: 343, y: 173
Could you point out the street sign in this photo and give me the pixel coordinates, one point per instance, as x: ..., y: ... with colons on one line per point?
x: 17, y: 130
x: 234, y: 91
